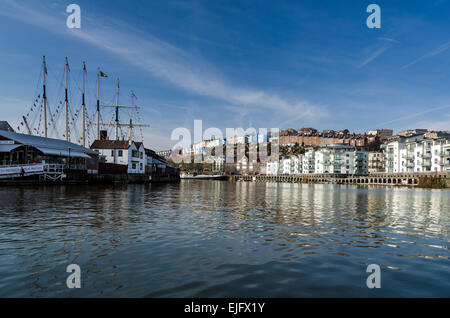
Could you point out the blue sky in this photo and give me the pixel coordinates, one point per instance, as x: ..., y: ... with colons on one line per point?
x: 237, y: 63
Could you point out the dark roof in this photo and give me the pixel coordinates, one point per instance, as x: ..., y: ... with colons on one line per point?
x: 153, y: 154
x: 110, y: 144
x: 5, y: 126
x: 49, y: 146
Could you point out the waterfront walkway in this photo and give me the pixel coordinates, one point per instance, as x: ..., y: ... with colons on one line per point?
x: 409, y: 179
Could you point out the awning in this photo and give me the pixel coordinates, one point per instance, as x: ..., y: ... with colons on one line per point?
x: 62, y: 153
x: 8, y: 148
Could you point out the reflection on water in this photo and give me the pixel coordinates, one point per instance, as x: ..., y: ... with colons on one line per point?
x: 222, y: 239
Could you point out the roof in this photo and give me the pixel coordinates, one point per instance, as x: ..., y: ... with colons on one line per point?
x: 138, y: 144
x: 8, y: 148
x: 110, y: 144
x: 49, y: 146
x: 151, y: 153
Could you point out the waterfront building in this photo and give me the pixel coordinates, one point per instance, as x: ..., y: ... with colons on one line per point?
x: 122, y: 152
x: 397, y: 157
x: 272, y: 168
x: 285, y: 166
x: 417, y: 153
x: 23, y: 149
x: 341, y: 159
x: 291, y: 165
x: 308, y: 161
x: 246, y: 166
x: 376, y: 161
x: 154, y: 163
x: 34, y: 153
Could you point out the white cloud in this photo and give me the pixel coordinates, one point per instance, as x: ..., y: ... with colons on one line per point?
x: 172, y: 64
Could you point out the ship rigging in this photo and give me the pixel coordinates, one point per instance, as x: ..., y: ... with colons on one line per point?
x: 35, y: 121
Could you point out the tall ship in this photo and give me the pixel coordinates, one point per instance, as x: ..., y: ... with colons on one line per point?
x: 62, y: 137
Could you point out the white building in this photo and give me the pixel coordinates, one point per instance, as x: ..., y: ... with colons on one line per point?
x: 376, y: 161
x: 331, y: 159
x: 272, y: 168
x: 291, y: 165
x: 123, y: 153
x: 416, y: 153
x: 341, y: 159
x: 308, y: 161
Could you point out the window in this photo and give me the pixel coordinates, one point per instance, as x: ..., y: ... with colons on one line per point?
x: 133, y: 166
x: 112, y: 153
x: 141, y: 165
x: 142, y: 155
x: 120, y: 153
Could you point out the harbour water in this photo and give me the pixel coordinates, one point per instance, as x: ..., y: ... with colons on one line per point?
x: 224, y: 239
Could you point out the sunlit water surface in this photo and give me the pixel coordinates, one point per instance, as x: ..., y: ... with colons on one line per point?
x: 224, y: 239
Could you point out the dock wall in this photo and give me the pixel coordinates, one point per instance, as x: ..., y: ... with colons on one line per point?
x: 439, y: 180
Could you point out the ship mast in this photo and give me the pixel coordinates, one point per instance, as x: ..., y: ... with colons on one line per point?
x: 130, y: 138
x: 45, y: 98
x: 98, y: 104
x: 83, y: 106
x: 67, y: 101
x: 117, y: 111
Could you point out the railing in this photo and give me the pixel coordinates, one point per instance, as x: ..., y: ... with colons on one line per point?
x: 26, y: 170
x: 426, y: 163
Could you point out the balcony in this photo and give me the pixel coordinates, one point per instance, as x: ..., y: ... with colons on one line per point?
x: 426, y: 163
x: 408, y: 156
x: 426, y: 155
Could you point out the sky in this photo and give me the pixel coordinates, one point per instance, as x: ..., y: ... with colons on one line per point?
x: 261, y: 64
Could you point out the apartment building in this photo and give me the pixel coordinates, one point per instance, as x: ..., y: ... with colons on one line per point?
x: 416, y: 153
x: 332, y: 159
x: 308, y: 161
x: 376, y: 161
x: 272, y: 168
x: 291, y: 165
x: 341, y: 159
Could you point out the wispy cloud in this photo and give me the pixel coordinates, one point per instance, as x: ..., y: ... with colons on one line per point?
x: 388, y: 43
x: 381, y: 38
x: 444, y: 47
x: 172, y: 64
x: 415, y: 114
x: 374, y: 55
